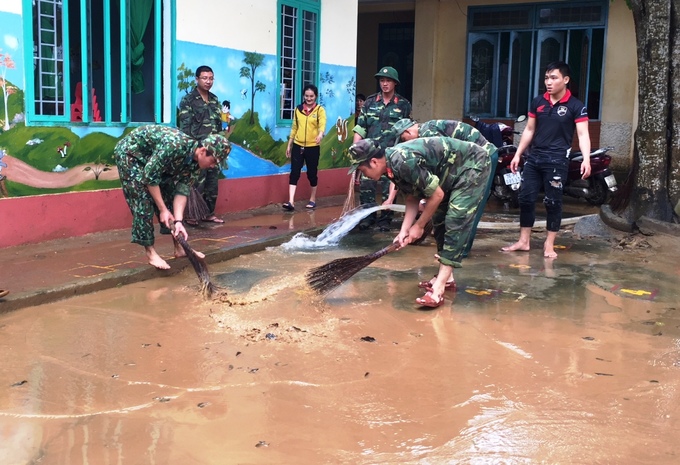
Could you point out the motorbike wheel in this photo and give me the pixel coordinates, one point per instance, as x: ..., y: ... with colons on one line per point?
x: 599, y: 192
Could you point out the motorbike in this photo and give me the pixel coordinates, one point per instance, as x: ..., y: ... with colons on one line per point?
x: 506, y: 184
x: 595, y: 189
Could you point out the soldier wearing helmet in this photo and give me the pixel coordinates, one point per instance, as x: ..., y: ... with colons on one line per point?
x: 377, y: 116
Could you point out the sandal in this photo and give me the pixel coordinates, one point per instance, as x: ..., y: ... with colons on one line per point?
x: 311, y: 205
x: 429, y: 300
x: 428, y: 284
x: 3, y: 293
x: 288, y: 206
x: 213, y: 219
x: 191, y: 222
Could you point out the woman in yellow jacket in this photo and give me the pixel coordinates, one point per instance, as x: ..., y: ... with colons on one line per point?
x: 309, y: 125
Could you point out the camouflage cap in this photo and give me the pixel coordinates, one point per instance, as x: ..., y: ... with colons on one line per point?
x: 388, y: 72
x: 402, y: 125
x: 361, y: 151
x: 218, y: 145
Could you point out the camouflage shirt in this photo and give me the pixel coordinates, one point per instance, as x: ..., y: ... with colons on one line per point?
x: 377, y: 116
x: 457, y: 130
x: 418, y: 166
x: 161, y: 152
x: 199, y: 118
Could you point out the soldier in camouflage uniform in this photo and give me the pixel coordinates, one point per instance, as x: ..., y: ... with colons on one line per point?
x: 452, y: 175
x: 200, y: 114
x: 379, y: 113
x: 407, y: 129
x: 157, y: 165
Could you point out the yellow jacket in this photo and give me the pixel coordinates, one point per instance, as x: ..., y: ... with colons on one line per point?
x: 306, y: 127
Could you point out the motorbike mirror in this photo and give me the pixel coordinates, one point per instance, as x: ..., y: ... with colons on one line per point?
x: 521, y: 118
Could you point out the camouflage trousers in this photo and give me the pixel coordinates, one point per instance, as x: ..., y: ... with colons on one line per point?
x: 482, y: 204
x: 139, y: 199
x: 367, y: 197
x: 456, y: 218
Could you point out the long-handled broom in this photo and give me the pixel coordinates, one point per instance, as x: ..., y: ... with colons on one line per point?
x: 200, y: 267
x: 350, y: 202
x: 323, y: 279
x: 196, y: 208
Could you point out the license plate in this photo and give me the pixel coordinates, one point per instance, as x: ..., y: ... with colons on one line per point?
x: 512, y: 178
x: 610, y: 180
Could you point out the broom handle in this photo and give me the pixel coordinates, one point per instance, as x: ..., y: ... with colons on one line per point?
x: 384, y: 251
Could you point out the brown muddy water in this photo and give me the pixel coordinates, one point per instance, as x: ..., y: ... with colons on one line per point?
x: 574, y: 360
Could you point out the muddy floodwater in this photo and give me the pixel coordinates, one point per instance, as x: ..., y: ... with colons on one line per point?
x: 572, y: 360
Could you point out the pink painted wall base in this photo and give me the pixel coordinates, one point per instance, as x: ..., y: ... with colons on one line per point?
x: 28, y: 220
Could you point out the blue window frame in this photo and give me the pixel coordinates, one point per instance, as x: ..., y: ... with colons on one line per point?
x: 298, y: 53
x: 509, y: 47
x: 106, y: 62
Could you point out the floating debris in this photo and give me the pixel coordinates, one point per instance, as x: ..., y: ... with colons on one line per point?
x: 368, y: 339
x: 20, y: 383
x: 262, y: 444
x: 202, y: 404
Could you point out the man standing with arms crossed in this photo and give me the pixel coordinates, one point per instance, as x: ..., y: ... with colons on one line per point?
x: 379, y: 113
x: 200, y: 114
x: 553, y: 117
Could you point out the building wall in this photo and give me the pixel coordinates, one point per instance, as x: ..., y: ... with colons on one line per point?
x: 439, y: 69
x: 217, y: 34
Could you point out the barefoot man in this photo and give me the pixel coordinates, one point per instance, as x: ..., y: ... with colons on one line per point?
x: 157, y: 165
x: 553, y: 117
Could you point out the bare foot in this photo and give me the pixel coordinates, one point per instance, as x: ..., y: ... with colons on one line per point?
x: 156, y: 261
x: 549, y: 252
x: 517, y: 247
x: 179, y: 252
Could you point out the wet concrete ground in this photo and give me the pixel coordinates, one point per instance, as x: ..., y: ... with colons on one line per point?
x: 572, y: 360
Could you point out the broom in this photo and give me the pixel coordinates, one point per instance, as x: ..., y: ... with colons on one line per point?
x: 200, y: 267
x: 323, y: 279
x: 350, y: 203
x: 196, y: 208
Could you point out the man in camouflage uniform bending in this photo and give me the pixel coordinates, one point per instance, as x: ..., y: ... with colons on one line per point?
x: 200, y: 114
x: 451, y: 175
x: 407, y: 129
x: 379, y: 113
x: 157, y: 166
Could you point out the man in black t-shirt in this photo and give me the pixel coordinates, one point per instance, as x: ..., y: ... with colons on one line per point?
x: 553, y: 117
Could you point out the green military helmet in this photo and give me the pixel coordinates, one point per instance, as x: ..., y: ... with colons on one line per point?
x: 388, y: 72
x: 218, y: 145
x: 361, y: 151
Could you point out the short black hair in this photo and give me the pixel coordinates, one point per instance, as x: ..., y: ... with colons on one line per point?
x: 560, y: 66
x: 203, y: 69
x: 361, y: 97
x: 226, y: 103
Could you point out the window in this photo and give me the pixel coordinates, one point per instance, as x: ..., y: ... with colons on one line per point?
x: 510, y: 46
x: 298, y: 52
x: 106, y: 61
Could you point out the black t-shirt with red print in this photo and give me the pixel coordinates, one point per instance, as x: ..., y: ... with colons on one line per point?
x: 555, y: 124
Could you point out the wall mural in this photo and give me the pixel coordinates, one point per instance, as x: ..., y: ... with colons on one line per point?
x: 37, y: 160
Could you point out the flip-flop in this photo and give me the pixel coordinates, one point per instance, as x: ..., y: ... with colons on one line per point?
x: 428, y: 300
x: 311, y: 205
x: 191, y: 222
x: 3, y: 293
x: 213, y: 219
x: 288, y: 206
x: 428, y: 285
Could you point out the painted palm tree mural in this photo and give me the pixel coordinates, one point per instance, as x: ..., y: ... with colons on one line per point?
x: 253, y: 61
x: 6, y: 63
